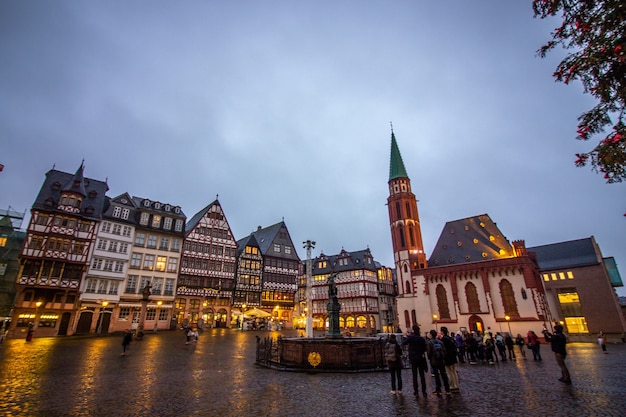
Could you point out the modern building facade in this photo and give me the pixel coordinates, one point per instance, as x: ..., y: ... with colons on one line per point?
x: 207, y: 275
x: 581, y: 286
x: 55, y: 256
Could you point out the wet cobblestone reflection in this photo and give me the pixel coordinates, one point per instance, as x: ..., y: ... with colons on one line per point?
x: 161, y: 376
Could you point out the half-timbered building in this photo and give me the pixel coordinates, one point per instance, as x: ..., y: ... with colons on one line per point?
x: 207, y: 272
x: 55, y: 255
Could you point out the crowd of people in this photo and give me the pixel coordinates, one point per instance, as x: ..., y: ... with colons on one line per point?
x: 439, y: 353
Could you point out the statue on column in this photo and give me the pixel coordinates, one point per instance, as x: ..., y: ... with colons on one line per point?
x: 146, y: 292
x: 333, y: 307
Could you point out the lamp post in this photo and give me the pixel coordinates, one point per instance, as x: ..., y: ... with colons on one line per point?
x: 100, y: 316
x: 243, y: 316
x: 309, y: 245
x: 435, y: 321
x: 508, y: 322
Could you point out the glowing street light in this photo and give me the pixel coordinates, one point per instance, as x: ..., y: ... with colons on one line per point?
x: 508, y: 321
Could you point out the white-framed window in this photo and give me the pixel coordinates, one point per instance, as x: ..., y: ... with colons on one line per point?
x: 123, y: 247
x: 113, y: 246
x: 124, y: 313
x: 119, y: 266
x: 175, y: 245
x: 287, y: 250
x: 135, y: 260
x: 148, y: 262
x: 102, y: 286
x: 178, y: 226
x: 102, y: 244
x: 96, y: 264
x: 131, y: 284
x: 126, y: 231
x: 140, y: 239
x: 172, y: 265
x: 117, y: 211
x: 156, y: 221
x: 167, y: 223
x: 125, y: 214
x: 169, y: 287
x: 276, y: 247
x: 143, y: 220
x: 165, y: 243
x: 117, y: 229
x: 108, y: 265
x: 152, y: 241
x: 91, y: 286
x: 144, y: 281
x: 157, y: 286
x: 106, y: 227
x: 114, y: 287
x: 161, y: 262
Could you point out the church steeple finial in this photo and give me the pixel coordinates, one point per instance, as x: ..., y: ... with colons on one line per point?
x: 396, y: 165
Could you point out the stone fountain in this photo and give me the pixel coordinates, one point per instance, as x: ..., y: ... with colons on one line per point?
x: 331, y: 353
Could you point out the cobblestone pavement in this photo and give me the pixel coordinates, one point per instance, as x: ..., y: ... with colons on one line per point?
x: 162, y: 376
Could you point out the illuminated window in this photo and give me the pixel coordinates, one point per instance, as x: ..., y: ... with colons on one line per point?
x: 561, y: 275
x: 570, y: 275
x: 3, y: 241
x: 156, y: 221
x: 160, y: 264
x: 546, y: 277
x: 553, y: 276
x: 572, y: 311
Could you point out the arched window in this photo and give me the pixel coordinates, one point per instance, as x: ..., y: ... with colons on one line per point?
x: 508, y: 299
x: 407, y: 287
x: 442, y: 302
x: 407, y: 321
x: 473, y: 304
x: 402, y: 242
x: 405, y: 268
x: 398, y: 213
x: 408, y: 210
x: 413, y: 318
x: 411, y: 236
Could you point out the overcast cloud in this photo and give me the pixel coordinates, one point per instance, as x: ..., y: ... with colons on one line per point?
x: 283, y: 109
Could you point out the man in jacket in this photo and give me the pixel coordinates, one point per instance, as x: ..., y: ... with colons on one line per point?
x: 436, y: 354
x: 417, y: 349
x: 451, y: 360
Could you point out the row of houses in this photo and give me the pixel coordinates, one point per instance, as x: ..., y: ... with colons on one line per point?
x: 89, y: 263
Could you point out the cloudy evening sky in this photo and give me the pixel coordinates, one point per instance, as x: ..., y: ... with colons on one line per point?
x: 283, y: 109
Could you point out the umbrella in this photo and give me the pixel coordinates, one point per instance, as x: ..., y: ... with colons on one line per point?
x: 255, y: 312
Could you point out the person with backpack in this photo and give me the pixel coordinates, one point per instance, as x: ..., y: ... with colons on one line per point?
x: 519, y: 341
x: 558, y: 341
x: 417, y: 350
x: 393, y: 356
x: 451, y: 359
x: 437, y: 355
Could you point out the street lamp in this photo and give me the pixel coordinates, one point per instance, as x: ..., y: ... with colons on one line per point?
x: 309, y: 245
x: 100, y: 316
x: 508, y: 321
x: 435, y: 321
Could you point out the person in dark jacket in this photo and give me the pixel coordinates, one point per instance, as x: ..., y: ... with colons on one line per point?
x: 438, y: 364
x: 394, y: 362
x: 417, y: 350
x: 128, y: 337
x: 451, y: 359
x: 558, y: 342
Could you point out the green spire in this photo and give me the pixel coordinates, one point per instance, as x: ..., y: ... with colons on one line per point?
x: 396, y: 166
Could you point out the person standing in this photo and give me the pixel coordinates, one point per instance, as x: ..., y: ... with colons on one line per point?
x: 602, y: 341
x: 558, y: 342
x: 510, y: 346
x: 128, y: 337
x: 393, y: 355
x: 460, y: 346
x: 451, y: 360
x: 417, y: 350
x: 534, y: 344
x: 436, y: 354
x: 519, y: 341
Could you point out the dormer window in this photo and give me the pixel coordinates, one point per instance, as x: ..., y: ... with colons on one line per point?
x: 146, y: 203
x: 168, y: 207
x: 93, y: 194
x: 157, y: 206
x: 56, y: 185
x: 177, y: 210
x: 49, y: 202
x: 89, y: 210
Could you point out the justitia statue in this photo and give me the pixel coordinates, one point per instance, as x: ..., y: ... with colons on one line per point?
x: 146, y: 292
x: 333, y: 307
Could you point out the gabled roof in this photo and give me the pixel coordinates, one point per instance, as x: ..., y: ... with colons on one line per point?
x: 471, y: 239
x: 247, y: 241
x: 355, y: 260
x: 77, y: 183
x: 571, y: 254
x: 270, y: 235
x: 193, y: 222
x: 94, y: 193
x: 396, y: 165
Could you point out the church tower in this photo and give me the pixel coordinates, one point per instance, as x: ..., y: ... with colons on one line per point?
x: 406, y: 234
